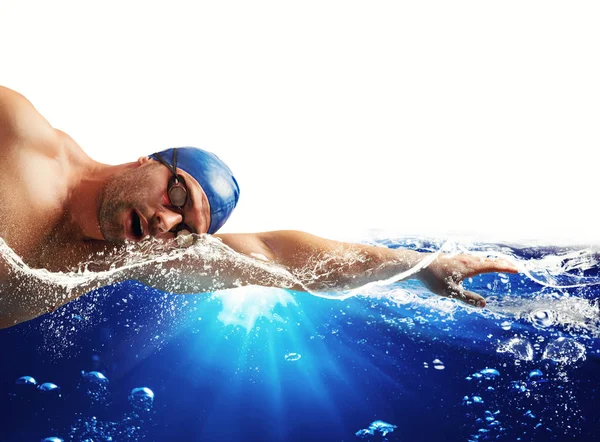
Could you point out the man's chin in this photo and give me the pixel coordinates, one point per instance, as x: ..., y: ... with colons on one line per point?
x: 113, y: 235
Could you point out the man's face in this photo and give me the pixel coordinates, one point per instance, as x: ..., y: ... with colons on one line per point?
x: 135, y: 204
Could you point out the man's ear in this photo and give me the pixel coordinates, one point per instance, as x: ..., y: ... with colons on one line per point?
x: 144, y: 160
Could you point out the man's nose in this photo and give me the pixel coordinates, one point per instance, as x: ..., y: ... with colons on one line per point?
x: 166, y: 220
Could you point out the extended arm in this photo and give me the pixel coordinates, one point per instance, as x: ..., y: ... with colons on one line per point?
x: 322, y: 264
x: 285, y: 259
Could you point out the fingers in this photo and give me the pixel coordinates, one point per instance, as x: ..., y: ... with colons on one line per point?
x: 470, y: 298
x: 503, y: 265
x: 492, y: 265
x: 473, y: 299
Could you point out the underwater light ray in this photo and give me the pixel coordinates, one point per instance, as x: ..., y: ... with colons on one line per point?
x: 334, y: 364
x: 304, y: 369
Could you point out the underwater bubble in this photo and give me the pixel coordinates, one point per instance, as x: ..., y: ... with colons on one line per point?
x: 489, y: 373
x: 381, y: 427
x: 363, y: 433
x: 564, y: 351
x: 519, y: 386
x: 520, y: 348
x: 291, y: 357
x: 542, y: 318
x: 94, y: 376
x: 52, y: 439
x: 438, y: 365
x: 95, y: 385
x: 26, y: 380
x: 506, y: 325
x: 48, y: 386
x: 477, y: 399
x: 534, y: 374
x: 142, y: 398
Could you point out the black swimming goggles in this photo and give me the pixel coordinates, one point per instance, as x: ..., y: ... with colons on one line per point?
x: 176, y: 188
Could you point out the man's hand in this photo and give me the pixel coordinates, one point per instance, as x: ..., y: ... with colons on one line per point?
x: 445, y: 275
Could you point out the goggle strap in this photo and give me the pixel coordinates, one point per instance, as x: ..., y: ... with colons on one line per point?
x: 172, y: 168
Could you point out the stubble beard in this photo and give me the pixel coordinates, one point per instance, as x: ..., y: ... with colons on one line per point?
x: 122, y: 193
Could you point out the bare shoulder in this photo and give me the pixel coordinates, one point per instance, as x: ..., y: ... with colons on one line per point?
x: 21, y: 123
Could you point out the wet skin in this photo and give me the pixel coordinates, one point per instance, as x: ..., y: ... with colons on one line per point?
x: 60, y: 206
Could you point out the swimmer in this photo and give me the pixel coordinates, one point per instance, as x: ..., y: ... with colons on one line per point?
x: 59, y: 207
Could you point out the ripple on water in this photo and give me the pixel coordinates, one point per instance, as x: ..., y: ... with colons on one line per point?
x: 564, y: 351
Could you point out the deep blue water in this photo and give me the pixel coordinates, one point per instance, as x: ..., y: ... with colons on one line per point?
x: 349, y: 363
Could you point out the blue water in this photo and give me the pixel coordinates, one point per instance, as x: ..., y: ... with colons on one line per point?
x: 255, y: 364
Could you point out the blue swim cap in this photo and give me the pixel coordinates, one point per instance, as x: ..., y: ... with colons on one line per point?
x: 214, y: 176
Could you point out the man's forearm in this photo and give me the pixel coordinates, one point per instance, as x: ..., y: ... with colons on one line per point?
x: 322, y: 264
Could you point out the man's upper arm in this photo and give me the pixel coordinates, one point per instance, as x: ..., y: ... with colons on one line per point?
x: 250, y: 244
x: 19, y: 120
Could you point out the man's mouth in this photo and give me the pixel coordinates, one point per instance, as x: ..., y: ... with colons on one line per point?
x: 137, y: 226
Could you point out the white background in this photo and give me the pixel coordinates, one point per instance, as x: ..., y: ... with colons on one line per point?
x: 340, y: 118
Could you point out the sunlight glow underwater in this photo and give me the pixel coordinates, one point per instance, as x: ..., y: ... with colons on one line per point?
x: 337, y: 352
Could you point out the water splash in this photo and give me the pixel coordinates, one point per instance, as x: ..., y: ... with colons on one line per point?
x: 209, y: 258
